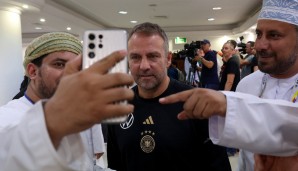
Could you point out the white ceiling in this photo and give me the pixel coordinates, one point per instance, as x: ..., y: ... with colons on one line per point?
x: 172, y: 15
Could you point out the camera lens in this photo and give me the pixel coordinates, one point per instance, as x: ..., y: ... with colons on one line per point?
x: 100, y: 36
x: 100, y: 45
x: 91, y: 54
x: 91, y: 36
x: 91, y: 46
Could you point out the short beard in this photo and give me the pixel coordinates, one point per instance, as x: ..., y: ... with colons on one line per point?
x: 148, y: 85
x: 151, y: 86
x: 279, y: 67
x: 45, y: 91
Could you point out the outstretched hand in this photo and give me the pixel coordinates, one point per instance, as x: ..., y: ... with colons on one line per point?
x: 86, y: 97
x: 199, y: 103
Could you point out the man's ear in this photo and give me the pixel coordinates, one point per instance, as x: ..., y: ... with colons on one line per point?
x: 32, y: 70
x: 169, y: 59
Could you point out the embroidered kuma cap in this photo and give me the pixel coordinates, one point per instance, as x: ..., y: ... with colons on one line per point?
x: 49, y: 43
x: 280, y: 10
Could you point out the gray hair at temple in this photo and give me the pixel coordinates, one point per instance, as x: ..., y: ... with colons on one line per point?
x: 149, y: 29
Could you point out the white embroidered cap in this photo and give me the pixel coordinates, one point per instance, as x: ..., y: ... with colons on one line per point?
x: 280, y: 10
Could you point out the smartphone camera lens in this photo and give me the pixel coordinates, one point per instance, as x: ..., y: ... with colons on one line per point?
x: 100, y: 45
x: 100, y: 36
x: 91, y: 36
x: 91, y: 46
x: 91, y: 54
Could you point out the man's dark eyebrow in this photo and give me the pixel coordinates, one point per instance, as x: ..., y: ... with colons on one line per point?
x: 133, y: 54
x: 149, y: 53
x: 274, y: 31
x: 269, y: 31
x: 60, y: 59
x: 153, y: 53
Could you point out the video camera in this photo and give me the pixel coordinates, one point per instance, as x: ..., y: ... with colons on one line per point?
x: 241, y: 46
x: 191, y: 49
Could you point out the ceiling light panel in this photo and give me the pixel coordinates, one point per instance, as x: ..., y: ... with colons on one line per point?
x: 217, y: 8
x: 122, y: 12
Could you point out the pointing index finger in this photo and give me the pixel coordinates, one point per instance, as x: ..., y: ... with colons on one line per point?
x: 178, y: 97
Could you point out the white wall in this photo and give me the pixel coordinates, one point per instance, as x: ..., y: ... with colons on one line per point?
x: 10, y: 54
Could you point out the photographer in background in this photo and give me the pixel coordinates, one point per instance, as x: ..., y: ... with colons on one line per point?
x: 209, y: 74
x: 246, y: 62
x: 191, y: 64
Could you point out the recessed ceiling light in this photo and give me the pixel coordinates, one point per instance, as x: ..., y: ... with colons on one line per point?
x: 211, y: 19
x: 68, y: 28
x: 133, y: 21
x: 38, y: 28
x: 216, y: 8
x: 122, y: 12
x: 42, y: 20
x: 25, y: 6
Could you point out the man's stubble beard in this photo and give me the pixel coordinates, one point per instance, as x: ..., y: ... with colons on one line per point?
x: 280, y: 66
x: 45, y: 91
x: 151, y: 85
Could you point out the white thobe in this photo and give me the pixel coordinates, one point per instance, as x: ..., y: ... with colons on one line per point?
x: 25, y: 143
x: 94, y: 142
x: 266, y: 125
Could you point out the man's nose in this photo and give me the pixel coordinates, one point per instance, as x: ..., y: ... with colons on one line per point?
x: 261, y: 44
x: 144, y: 64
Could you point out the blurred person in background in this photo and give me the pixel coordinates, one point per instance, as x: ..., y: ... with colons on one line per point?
x: 246, y: 62
x: 209, y: 73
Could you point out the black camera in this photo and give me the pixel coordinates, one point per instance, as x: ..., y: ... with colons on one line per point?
x: 241, y: 46
x: 191, y: 49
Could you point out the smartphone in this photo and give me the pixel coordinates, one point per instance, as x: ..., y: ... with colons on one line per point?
x: 97, y: 44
